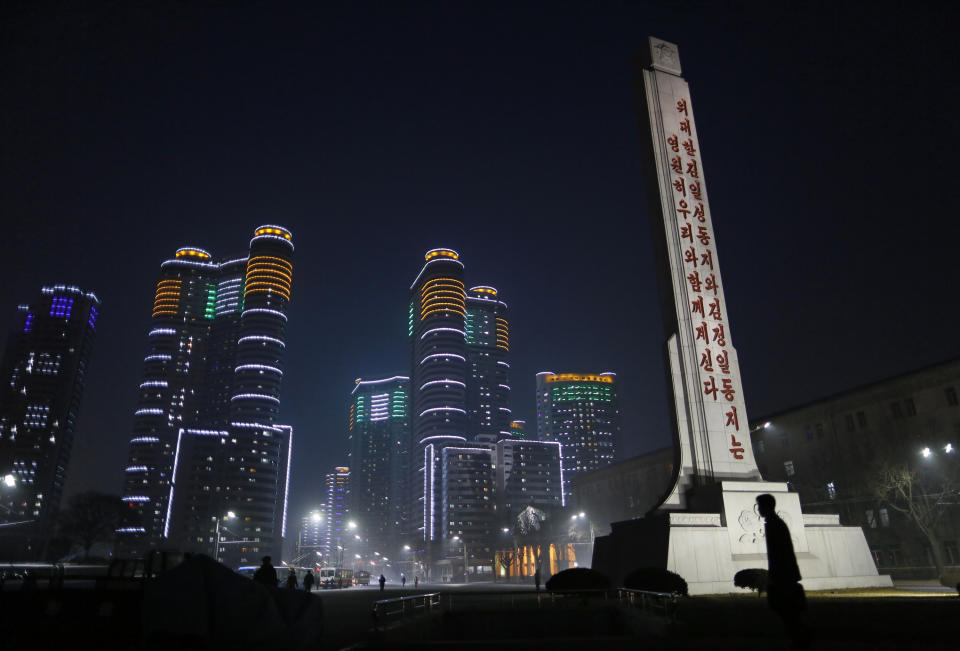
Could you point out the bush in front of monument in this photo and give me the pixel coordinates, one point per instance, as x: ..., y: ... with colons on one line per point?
x: 578, y: 578
x: 754, y: 578
x: 655, y: 579
x: 951, y: 580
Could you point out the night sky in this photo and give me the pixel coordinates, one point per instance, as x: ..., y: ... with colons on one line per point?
x: 507, y: 131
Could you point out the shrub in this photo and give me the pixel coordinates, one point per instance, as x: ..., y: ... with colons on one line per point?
x: 753, y: 579
x: 655, y: 579
x: 950, y: 579
x: 578, y: 578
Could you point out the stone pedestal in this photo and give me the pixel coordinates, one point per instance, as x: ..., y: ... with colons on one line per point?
x: 707, y: 549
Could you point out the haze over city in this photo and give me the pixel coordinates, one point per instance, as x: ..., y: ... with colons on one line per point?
x: 508, y: 133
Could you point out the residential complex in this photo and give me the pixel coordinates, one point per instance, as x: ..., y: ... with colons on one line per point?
x: 206, y: 442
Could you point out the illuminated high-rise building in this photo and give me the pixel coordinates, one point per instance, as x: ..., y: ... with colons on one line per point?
x: 582, y: 413
x: 44, y: 369
x: 438, y: 379
x: 212, y: 378
x: 337, y: 488
x: 378, y: 430
x: 488, y: 383
x: 310, y: 541
x: 529, y: 473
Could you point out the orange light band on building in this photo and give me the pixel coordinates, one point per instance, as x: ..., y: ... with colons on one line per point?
x: 167, y: 298
x: 441, y: 253
x: 268, y: 274
x: 192, y: 253
x: 272, y: 231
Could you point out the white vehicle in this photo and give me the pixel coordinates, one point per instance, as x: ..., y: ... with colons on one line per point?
x: 334, y: 577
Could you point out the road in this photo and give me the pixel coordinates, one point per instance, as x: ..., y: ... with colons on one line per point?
x: 347, y: 615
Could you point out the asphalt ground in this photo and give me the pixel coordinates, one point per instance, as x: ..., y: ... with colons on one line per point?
x: 347, y: 613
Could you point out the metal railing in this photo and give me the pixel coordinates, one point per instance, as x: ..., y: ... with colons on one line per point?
x: 665, y: 602
x: 660, y: 603
x: 403, y: 606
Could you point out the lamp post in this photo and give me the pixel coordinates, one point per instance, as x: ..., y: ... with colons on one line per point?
x: 466, y: 573
x: 216, y: 550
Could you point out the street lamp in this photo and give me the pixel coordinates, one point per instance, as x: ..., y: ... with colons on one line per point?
x: 466, y: 574
x: 9, y: 481
x: 216, y: 550
x: 926, y: 452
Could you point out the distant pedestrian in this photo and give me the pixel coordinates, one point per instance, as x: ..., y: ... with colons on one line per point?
x: 292, y: 579
x: 266, y: 574
x: 308, y: 581
x: 383, y: 580
x: 403, y: 581
x: 416, y: 581
x: 784, y: 592
x: 536, y: 579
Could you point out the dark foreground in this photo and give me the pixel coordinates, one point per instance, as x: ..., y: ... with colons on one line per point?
x: 487, y: 616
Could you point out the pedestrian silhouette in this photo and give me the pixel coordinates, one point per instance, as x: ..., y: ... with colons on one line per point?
x: 308, y: 581
x: 784, y: 592
x: 416, y: 581
x: 266, y: 574
x: 383, y: 580
x: 292, y: 579
x: 536, y: 578
x: 403, y: 581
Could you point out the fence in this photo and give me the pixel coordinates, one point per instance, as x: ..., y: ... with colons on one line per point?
x: 660, y: 603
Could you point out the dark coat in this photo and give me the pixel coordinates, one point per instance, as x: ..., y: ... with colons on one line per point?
x: 782, y: 562
x: 266, y: 574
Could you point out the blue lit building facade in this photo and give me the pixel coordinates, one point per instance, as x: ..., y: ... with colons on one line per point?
x: 206, y: 439
x: 44, y: 367
x: 337, y: 488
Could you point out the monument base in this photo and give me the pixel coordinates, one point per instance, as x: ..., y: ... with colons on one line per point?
x: 707, y: 549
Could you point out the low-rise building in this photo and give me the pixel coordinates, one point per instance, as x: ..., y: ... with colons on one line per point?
x: 831, y: 451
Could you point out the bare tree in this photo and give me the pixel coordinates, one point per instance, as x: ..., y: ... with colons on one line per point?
x: 922, y: 495
x: 92, y: 517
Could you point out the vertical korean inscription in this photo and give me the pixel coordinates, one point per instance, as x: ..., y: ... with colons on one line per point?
x: 705, y: 316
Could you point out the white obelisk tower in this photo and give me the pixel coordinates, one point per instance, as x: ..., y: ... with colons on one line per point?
x: 710, y: 414
x: 707, y: 527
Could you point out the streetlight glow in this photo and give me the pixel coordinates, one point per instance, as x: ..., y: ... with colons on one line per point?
x: 766, y: 425
x: 948, y: 448
x: 926, y: 452
x: 9, y: 481
x: 351, y: 525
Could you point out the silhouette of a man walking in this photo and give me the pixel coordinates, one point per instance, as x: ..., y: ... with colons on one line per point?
x: 784, y: 592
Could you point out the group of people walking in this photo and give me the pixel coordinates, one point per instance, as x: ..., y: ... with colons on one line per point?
x: 267, y: 575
